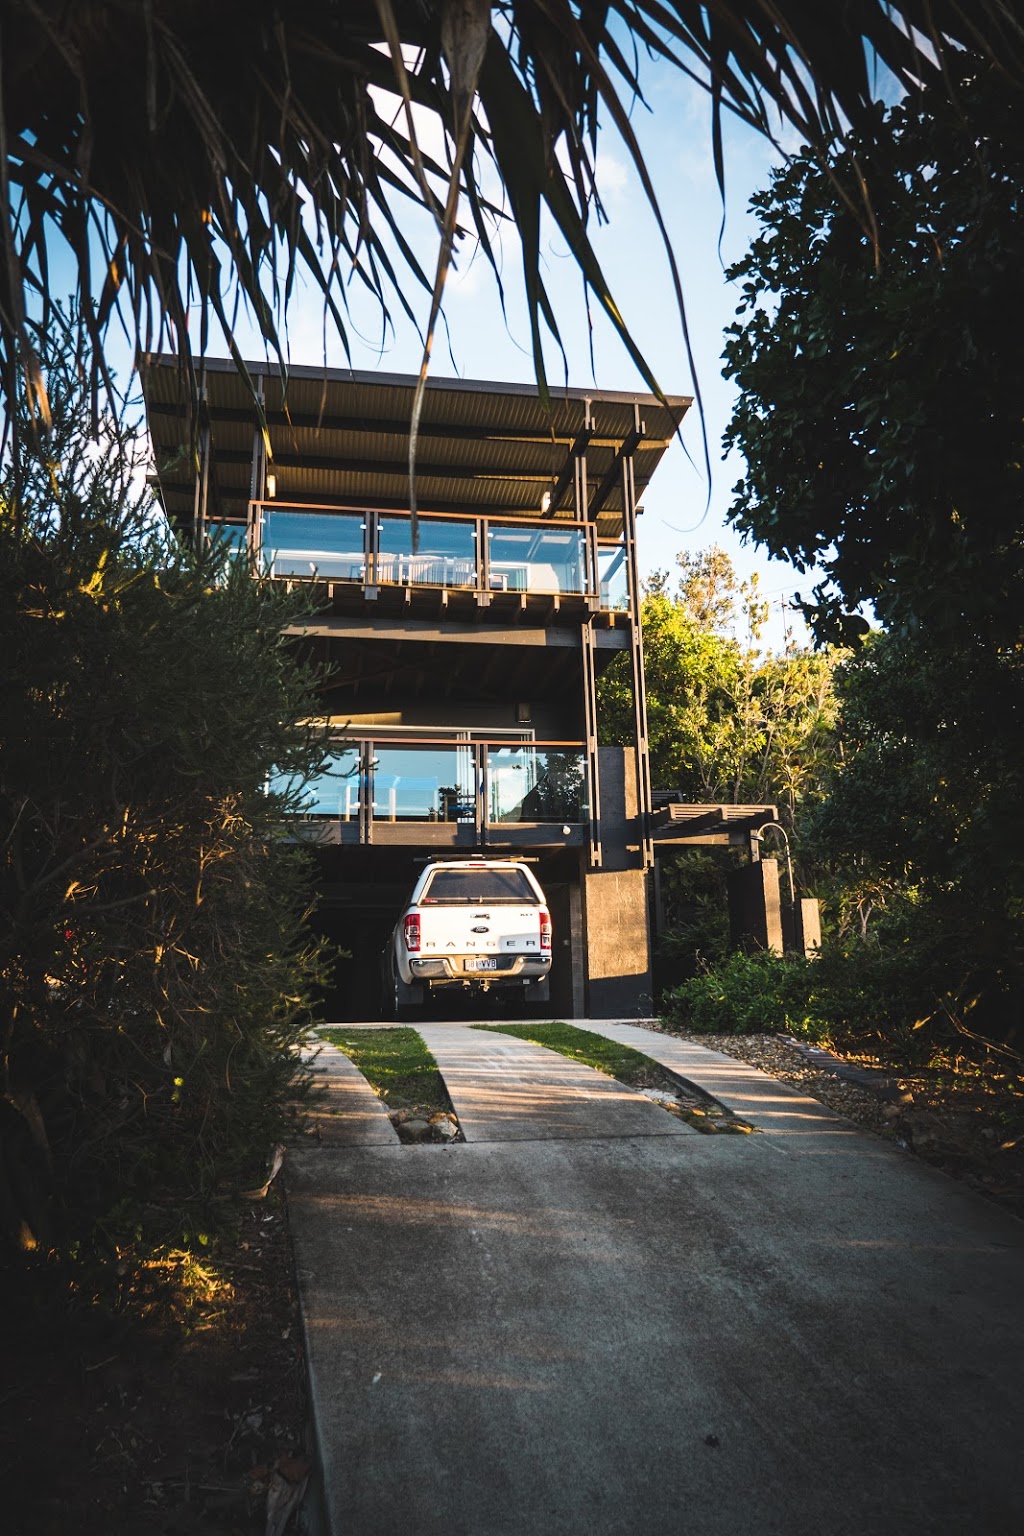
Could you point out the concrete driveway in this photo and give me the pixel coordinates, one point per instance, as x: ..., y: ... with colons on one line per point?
x: 601, y: 1331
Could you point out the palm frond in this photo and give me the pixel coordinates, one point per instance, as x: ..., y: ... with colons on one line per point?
x: 194, y: 156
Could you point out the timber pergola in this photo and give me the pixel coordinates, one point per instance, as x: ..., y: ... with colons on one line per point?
x: 679, y: 824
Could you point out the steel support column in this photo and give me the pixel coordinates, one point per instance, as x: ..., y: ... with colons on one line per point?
x: 590, y: 721
x: 366, y: 774
x: 258, y: 472
x: 480, y: 788
x: 202, y: 490
x: 643, y: 762
x: 580, y: 488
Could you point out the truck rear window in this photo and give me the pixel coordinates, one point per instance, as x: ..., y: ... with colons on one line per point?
x: 478, y: 885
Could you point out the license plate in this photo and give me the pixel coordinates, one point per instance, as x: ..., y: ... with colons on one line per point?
x: 483, y: 965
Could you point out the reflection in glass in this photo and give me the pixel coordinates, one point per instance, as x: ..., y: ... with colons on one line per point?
x: 526, y: 783
x: 424, y: 784
x: 229, y: 538
x: 445, y: 556
x: 611, y: 565
x: 537, y: 559
x: 469, y: 886
x: 324, y: 544
x: 334, y: 792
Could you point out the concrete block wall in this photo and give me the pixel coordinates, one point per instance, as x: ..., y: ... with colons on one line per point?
x: 616, y: 901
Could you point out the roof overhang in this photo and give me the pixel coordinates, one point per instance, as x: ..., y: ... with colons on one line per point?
x: 338, y: 437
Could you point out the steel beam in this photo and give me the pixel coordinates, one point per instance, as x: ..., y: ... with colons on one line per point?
x: 590, y: 726
x: 625, y: 453
x: 569, y: 471
x: 636, y: 651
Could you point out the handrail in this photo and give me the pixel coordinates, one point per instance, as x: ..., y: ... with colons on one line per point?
x: 445, y: 517
x: 450, y: 741
x: 481, y: 569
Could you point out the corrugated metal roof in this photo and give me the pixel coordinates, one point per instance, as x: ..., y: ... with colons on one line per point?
x: 339, y: 436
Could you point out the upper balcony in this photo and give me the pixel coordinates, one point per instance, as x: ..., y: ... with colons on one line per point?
x: 523, y: 507
x: 524, y: 564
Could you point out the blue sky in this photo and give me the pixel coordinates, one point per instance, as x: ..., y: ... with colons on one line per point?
x: 481, y: 342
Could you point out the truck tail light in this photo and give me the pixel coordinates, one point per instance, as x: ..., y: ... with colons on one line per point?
x: 545, y: 929
x: 412, y: 933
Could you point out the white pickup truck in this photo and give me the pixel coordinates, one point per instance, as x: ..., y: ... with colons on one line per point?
x: 478, y: 923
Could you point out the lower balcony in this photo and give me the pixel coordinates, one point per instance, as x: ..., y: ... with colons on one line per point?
x: 449, y: 794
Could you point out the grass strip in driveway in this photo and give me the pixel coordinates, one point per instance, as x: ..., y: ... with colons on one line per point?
x: 400, y: 1069
x: 631, y: 1068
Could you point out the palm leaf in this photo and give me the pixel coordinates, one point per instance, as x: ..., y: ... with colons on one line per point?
x: 185, y: 151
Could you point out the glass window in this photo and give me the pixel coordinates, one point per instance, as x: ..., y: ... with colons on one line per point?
x: 231, y: 538
x: 538, y: 559
x: 611, y: 565
x: 324, y: 544
x: 476, y: 885
x: 334, y: 792
x: 536, y: 784
x: 428, y: 783
x: 445, y: 557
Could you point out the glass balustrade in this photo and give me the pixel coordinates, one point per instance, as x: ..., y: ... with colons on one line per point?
x: 328, y: 545
x: 230, y: 539
x: 612, y: 579
x: 334, y: 792
x: 445, y: 555
x: 527, y: 783
x: 437, y: 783
x: 424, y: 783
x: 525, y: 559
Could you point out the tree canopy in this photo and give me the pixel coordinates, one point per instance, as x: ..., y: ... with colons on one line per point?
x: 192, y: 156
x: 881, y: 414
x: 881, y: 406
x: 922, y: 818
x: 155, y: 970
x: 726, y: 723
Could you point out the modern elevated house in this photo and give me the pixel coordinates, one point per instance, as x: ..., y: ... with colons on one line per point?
x: 461, y: 658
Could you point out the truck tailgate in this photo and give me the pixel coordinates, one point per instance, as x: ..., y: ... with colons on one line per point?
x: 469, y: 930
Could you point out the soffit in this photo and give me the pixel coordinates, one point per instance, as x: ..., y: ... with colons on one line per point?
x: 340, y: 437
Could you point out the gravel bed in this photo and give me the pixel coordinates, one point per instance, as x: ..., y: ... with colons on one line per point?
x: 968, y: 1123
x: 772, y: 1055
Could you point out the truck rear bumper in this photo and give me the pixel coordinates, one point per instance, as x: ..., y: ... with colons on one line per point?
x: 466, y: 970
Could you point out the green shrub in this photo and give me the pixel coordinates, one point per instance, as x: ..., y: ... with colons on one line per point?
x: 747, y: 994
x: 156, y: 972
x: 856, y: 996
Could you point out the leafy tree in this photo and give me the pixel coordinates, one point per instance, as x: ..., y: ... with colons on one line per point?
x: 923, y: 818
x: 195, y: 155
x: 726, y: 724
x: 154, y: 966
x: 881, y: 406
x: 882, y: 416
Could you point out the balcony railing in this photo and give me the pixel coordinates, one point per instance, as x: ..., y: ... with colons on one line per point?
x: 476, y: 785
x: 478, y: 554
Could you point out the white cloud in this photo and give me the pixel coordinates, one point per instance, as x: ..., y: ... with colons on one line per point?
x: 615, y: 180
